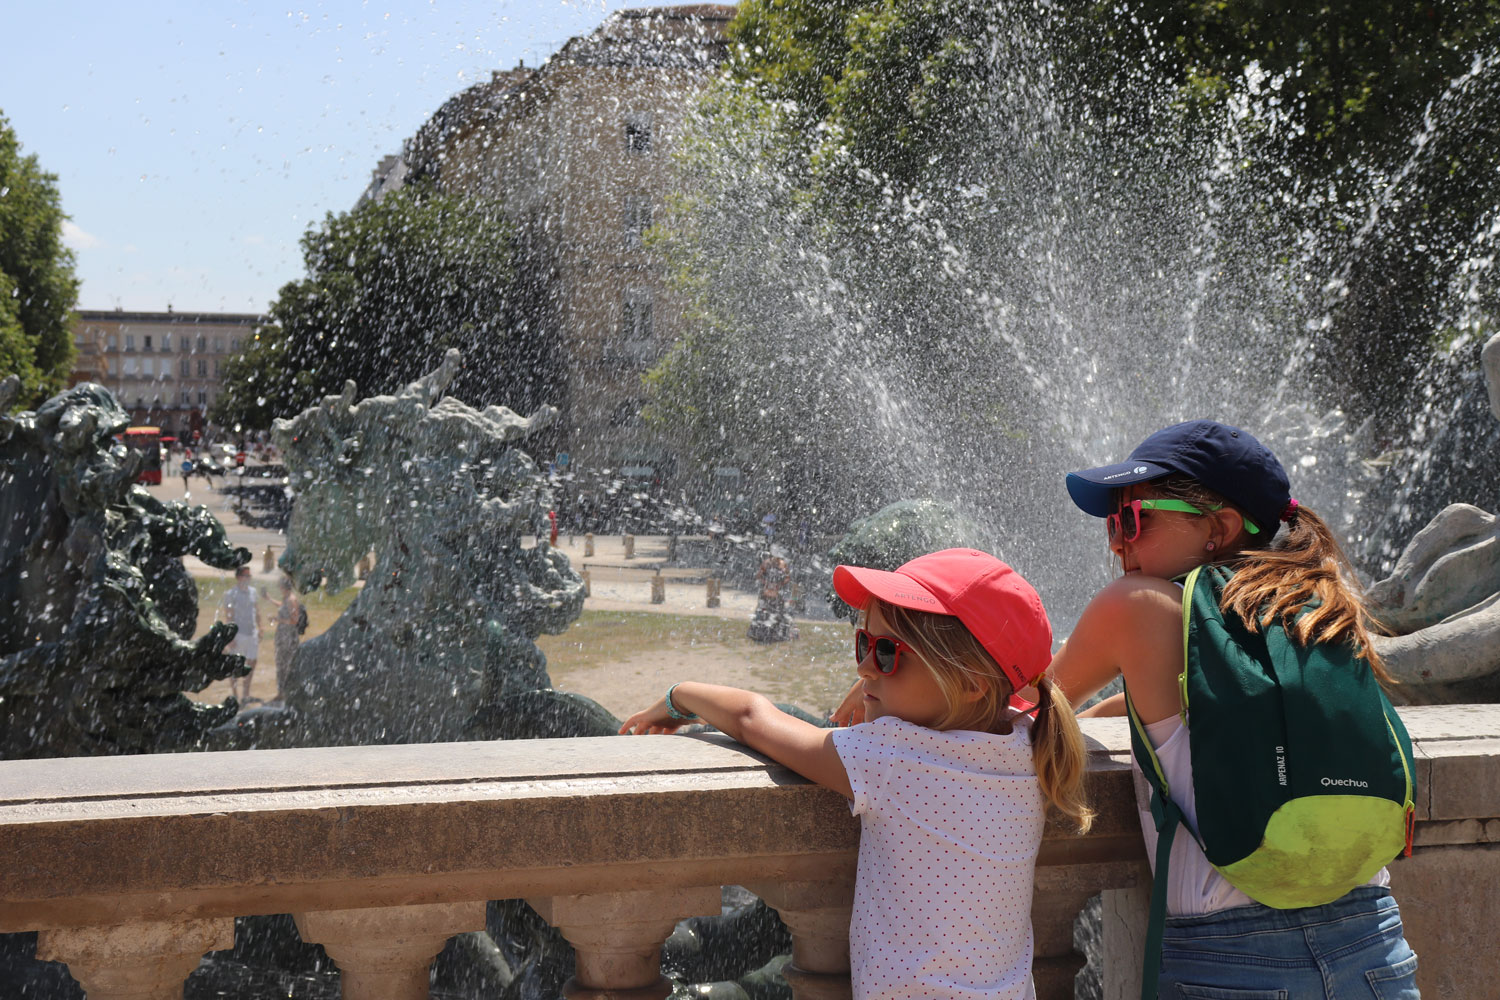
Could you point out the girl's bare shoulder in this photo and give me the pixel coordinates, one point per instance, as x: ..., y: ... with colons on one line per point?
x: 1135, y: 601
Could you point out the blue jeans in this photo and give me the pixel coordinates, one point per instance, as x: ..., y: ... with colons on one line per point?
x: 1350, y: 948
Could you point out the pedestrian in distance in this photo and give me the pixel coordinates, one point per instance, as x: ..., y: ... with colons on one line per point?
x: 1280, y: 779
x: 950, y: 782
x: 291, y: 623
x: 241, y: 608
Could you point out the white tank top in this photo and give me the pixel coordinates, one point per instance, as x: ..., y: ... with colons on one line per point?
x: 1193, y: 885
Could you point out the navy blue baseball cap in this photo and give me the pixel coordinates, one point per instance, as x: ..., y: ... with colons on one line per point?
x: 1227, y: 460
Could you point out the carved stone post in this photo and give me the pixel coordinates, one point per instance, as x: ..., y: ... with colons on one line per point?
x: 658, y: 589
x: 711, y: 593
x: 618, y: 937
x: 384, y: 952
x: 588, y: 545
x: 1124, y: 915
x: 588, y: 583
x: 817, y: 914
x: 146, y: 960
x: 629, y: 546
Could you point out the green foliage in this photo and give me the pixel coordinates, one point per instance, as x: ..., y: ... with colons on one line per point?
x: 38, y: 289
x: 389, y: 287
x: 847, y: 126
x: 888, y: 87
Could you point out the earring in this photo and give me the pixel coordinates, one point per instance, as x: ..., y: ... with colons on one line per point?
x: 1209, y: 546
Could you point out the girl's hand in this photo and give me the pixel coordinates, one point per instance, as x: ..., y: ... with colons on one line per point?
x: 851, y: 711
x: 652, y: 720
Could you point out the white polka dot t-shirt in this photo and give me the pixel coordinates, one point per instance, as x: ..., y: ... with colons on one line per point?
x: 950, y: 825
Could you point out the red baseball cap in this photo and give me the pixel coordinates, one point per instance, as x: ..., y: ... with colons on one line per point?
x: 994, y: 602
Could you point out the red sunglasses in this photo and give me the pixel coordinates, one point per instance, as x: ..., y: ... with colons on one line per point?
x: 887, y: 648
x: 1127, y: 522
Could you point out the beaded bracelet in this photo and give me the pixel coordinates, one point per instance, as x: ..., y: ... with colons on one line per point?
x: 672, y: 710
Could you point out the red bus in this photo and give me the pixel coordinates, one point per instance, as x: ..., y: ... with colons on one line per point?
x: 146, y: 440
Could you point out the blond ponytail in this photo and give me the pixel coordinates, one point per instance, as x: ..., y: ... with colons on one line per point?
x: 1057, y: 750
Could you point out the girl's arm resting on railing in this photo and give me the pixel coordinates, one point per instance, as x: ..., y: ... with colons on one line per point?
x: 751, y: 719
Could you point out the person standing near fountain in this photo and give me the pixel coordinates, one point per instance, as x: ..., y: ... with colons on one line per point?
x: 1267, y: 638
x: 241, y: 607
x: 950, y: 783
x: 291, y: 622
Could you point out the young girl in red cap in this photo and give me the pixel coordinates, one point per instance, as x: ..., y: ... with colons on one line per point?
x: 1195, y: 494
x: 950, y: 783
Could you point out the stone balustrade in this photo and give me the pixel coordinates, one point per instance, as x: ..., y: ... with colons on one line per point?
x: 130, y: 868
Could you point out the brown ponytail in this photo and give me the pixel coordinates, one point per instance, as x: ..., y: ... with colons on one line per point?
x: 1304, y: 568
x: 1057, y: 749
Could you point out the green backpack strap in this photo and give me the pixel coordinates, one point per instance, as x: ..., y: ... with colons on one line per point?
x: 1165, y: 814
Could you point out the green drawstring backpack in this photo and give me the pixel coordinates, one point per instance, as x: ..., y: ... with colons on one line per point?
x: 1302, y: 770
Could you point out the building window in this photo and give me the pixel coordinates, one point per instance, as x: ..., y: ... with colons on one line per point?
x: 187, y: 397
x: 146, y: 342
x: 638, y: 132
x: 148, y: 365
x: 216, y: 367
x: 202, y: 344
x: 140, y: 402
x: 132, y: 366
x: 635, y: 315
x: 187, y: 343
x: 166, y: 342
x: 113, y: 342
x: 637, y: 220
x: 202, y: 368
x: 202, y: 398
x: 130, y: 342
x: 185, y: 368
x: 218, y: 345
x: 234, y: 345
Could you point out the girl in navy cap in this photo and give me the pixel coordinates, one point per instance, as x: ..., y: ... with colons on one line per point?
x: 950, y: 783
x: 1197, y: 493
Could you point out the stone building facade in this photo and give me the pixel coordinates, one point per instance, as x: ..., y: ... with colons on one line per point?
x: 164, y: 367
x: 579, y: 152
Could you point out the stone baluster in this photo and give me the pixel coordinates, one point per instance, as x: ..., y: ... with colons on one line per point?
x: 145, y: 960
x: 618, y: 937
x: 817, y: 914
x: 385, y: 952
x: 1059, y: 896
x: 1124, y: 915
x: 588, y: 545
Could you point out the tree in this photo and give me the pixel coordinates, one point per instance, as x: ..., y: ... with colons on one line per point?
x: 38, y: 289
x: 1374, y: 133
x: 389, y: 287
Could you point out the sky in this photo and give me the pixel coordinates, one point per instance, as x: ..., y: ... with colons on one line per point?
x: 195, y: 142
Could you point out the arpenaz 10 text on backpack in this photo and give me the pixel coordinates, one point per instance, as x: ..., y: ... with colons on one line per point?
x: 1302, y: 770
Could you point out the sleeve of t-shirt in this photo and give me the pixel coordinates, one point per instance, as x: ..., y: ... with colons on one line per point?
x: 865, y: 751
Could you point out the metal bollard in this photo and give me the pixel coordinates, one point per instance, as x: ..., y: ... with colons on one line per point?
x: 268, y: 564
x: 711, y: 598
x: 658, y: 589
x: 588, y: 544
x: 629, y: 546
x: 588, y: 589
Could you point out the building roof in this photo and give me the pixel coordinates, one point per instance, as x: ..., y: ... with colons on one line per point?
x: 195, y: 319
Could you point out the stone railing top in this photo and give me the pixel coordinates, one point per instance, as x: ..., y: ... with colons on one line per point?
x: 126, y: 838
